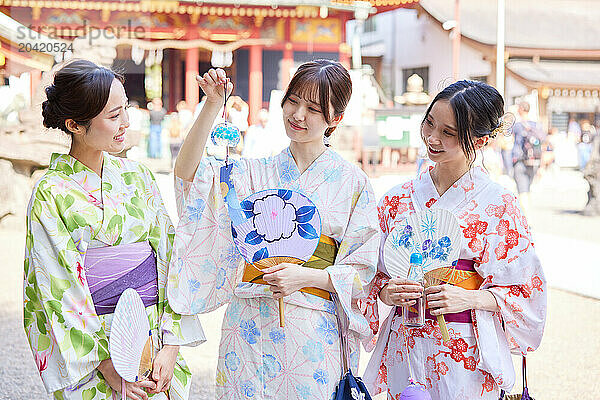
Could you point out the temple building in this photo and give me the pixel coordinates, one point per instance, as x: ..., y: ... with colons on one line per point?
x: 161, y: 45
x: 552, y: 54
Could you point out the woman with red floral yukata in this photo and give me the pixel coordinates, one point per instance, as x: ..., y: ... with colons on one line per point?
x: 506, y: 310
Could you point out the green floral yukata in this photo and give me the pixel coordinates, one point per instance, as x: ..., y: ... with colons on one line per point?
x: 72, y: 209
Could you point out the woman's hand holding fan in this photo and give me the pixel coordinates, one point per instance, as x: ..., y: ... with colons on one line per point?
x: 163, y: 367
x: 449, y: 299
x: 436, y: 235
x: 131, y: 347
x: 287, y: 278
x: 134, y: 390
x: 281, y: 227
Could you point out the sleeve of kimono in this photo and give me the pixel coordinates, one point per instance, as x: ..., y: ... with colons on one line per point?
x: 513, y: 274
x: 174, y: 328
x: 204, y: 267
x: 182, y: 190
x: 393, y: 205
x: 515, y: 277
x: 356, y: 262
x: 61, y: 324
x: 370, y: 304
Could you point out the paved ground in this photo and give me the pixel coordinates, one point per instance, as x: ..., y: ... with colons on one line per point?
x: 565, y: 365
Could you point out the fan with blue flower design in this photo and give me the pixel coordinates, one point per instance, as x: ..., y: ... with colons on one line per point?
x: 277, y: 226
x: 435, y: 234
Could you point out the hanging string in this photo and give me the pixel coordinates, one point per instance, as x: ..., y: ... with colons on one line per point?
x: 225, y: 98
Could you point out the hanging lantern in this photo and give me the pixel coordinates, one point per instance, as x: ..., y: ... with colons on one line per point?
x: 221, y: 59
x: 137, y: 54
x: 150, y: 59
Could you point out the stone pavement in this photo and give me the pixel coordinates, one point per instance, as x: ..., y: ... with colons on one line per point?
x: 565, y: 365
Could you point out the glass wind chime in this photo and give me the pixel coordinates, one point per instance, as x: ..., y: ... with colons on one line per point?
x: 225, y: 133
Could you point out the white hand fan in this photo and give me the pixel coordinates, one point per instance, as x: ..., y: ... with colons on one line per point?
x: 280, y: 226
x: 433, y: 233
x: 130, y: 342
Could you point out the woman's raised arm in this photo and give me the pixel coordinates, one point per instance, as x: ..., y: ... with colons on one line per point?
x: 193, y: 146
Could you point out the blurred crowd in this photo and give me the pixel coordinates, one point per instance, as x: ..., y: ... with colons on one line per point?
x: 531, y: 151
x: 518, y: 159
x: 528, y: 152
x: 156, y: 133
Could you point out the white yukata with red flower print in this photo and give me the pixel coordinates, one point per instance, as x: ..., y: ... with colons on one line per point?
x: 476, y: 363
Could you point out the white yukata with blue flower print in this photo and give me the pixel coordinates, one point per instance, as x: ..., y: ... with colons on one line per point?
x: 258, y: 359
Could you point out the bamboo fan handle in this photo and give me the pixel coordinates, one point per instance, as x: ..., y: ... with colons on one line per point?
x: 269, y: 262
x: 281, y: 317
x: 432, y: 279
x: 443, y: 328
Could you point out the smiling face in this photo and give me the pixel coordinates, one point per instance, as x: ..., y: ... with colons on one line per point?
x: 303, y: 120
x: 440, y: 134
x: 106, y: 131
x: 315, y: 100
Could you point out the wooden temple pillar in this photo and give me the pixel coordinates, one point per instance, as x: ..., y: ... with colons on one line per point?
x: 35, y: 78
x: 255, y: 82
x: 192, y: 90
x: 345, y: 50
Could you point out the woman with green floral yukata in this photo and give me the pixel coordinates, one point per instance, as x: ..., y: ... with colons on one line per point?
x: 96, y: 225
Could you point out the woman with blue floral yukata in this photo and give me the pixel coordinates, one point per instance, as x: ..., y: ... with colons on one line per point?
x: 258, y: 359
x: 96, y: 225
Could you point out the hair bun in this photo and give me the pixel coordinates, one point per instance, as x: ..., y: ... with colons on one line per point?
x: 51, y: 117
x: 51, y: 92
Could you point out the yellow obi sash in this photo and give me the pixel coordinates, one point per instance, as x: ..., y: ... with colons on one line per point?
x: 323, y: 257
x: 463, y: 275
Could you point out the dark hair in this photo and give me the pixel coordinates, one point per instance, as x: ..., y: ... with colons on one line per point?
x: 328, y: 80
x: 80, y: 91
x: 477, y: 109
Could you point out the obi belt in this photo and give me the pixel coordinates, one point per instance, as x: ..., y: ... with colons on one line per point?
x: 463, y: 275
x: 323, y: 257
x: 112, y: 269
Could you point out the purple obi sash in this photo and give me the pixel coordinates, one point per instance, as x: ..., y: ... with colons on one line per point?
x: 463, y: 316
x: 112, y: 269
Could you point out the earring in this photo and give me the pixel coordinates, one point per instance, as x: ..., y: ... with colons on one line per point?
x: 326, y: 140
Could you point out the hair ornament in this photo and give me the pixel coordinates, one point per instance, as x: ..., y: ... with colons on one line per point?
x: 51, y: 92
x: 505, y: 125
